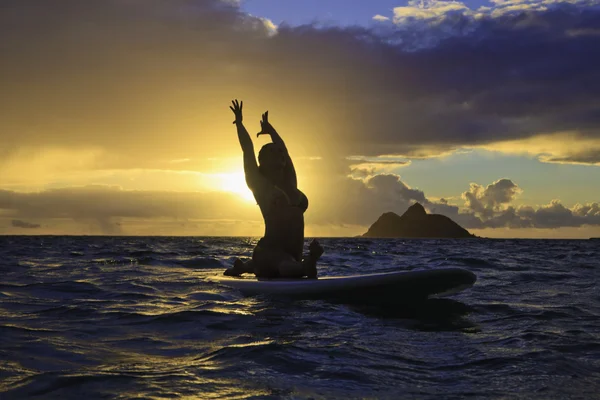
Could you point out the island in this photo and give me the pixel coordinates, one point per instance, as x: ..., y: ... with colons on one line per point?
x: 416, y: 223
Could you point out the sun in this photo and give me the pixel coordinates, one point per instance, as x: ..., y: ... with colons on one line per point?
x: 235, y: 182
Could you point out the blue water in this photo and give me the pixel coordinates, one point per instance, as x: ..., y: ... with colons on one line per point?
x: 125, y: 317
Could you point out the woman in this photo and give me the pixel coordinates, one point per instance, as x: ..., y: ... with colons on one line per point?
x: 273, y: 182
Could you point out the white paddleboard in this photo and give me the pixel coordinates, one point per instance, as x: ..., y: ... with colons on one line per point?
x: 402, y: 284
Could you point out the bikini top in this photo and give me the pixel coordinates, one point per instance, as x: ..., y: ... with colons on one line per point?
x: 279, y: 198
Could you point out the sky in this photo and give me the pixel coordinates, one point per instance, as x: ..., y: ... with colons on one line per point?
x: 115, y: 115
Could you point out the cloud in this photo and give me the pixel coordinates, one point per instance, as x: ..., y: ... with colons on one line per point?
x: 555, y: 215
x: 429, y: 11
x: 560, y: 147
x: 17, y: 223
x: 138, y: 83
x: 362, y: 167
x: 443, y: 19
x: 362, y: 201
x: 492, y: 209
x: 271, y: 27
x: 359, y: 201
x: 492, y: 198
x: 104, y: 207
x: 345, y: 207
x: 587, y: 210
x: 391, y: 184
x: 110, y: 209
x: 111, y: 201
x: 380, y: 18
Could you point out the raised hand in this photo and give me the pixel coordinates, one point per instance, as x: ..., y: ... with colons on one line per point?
x: 237, y: 110
x: 265, y: 126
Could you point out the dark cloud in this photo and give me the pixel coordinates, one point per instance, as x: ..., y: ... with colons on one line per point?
x: 506, y: 219
x: 109, y: 201
x: 581, y: 157
x: 150, y: 78
x: 551, y: 216
x: 350, y: 201
x: 391, y: 184
x: 104, y: 206
x: 363, y: 201
x: 556, y: 215
x: 360, y: 202
x: 17, y: 223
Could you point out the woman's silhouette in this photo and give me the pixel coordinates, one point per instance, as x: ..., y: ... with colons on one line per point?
x: 275, y: 188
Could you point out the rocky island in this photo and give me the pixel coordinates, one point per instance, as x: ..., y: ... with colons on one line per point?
x: 416, y: 223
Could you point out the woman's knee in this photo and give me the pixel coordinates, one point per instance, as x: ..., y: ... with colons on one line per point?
x: 267, y: 262
x: 291, y: 269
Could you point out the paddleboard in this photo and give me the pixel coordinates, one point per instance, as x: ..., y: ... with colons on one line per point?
x: 385, y: 286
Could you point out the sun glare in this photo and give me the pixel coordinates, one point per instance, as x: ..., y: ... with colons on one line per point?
x: 235, y: 182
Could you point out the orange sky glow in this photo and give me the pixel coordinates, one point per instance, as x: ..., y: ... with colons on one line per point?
x: 116, y: 121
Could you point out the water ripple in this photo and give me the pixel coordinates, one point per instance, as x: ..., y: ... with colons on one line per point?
x: 135, y: 317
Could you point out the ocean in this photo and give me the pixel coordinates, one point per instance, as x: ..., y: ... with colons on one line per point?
x: 135, y: 317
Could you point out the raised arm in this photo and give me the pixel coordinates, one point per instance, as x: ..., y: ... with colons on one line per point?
x: 267, y: 129
x: 251, y: 172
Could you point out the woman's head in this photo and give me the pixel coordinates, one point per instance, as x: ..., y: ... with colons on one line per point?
x: 271, y: 159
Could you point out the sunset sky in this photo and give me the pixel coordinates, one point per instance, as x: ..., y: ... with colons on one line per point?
x: 115, y: 119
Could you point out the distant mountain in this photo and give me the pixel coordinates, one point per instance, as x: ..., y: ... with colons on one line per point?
x: 416, y: 223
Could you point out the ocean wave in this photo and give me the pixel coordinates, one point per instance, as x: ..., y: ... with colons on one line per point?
x: 136, y: 317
